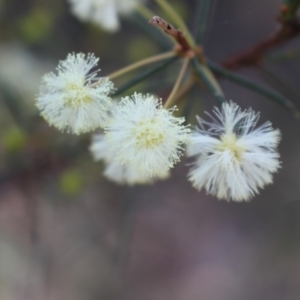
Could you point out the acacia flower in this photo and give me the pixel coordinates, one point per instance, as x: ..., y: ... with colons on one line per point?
x: 233, y: 158
x: 70, y: 101
x: 143, y: 134
x: 103, y: 12
x: 117, y: 172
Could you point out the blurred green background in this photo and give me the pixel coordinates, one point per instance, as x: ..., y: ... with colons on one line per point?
x: 68, y: 233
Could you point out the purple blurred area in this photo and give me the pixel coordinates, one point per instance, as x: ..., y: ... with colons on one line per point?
x: 68, y: 233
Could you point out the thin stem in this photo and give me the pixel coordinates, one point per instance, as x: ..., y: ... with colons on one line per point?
x: 176, y: 18
x: 185, y: 88
x: 143, y: 76
x: 141, y: 63
x: 255, y: 54
x: 171, y: 100
x: 209, y: 80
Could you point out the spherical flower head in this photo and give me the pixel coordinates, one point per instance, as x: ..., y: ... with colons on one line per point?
x: 233, y: 158
x: 105, y: 13
x: 144, y: 135
x: 71, y: 100
x: 121, y: 174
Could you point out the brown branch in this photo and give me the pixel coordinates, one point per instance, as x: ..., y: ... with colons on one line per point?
x: 177, y: 34
x: 255, y: 54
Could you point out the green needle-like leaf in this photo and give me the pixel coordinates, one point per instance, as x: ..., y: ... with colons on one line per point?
x: 203, y: 11
x: 208, y: 78
x: 253, y: 86
x: 143, y: 76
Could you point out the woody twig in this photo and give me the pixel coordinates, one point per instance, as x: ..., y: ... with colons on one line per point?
x: 289, y: 28
x: 183, y: 46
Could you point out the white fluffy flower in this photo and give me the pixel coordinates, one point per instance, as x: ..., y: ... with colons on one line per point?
x: 117, y: 172
x: 70, y: 100
x: 103, y: 12
x: 234, y: 158
x: 144, y: 135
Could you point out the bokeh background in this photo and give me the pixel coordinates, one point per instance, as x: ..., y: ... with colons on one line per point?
x: 68, y: 233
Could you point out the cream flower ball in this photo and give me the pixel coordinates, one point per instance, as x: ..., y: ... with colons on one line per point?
x: 145, y: 135
x: 105, y: 13
x: 75, y: 99
x: 233, y: 158
x: 114, y: 171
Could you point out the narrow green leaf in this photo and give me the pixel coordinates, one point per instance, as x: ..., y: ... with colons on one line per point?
x: 203, y: 12
x: 143, y: 76
x: 253, y: 86
x: 209, y: 80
